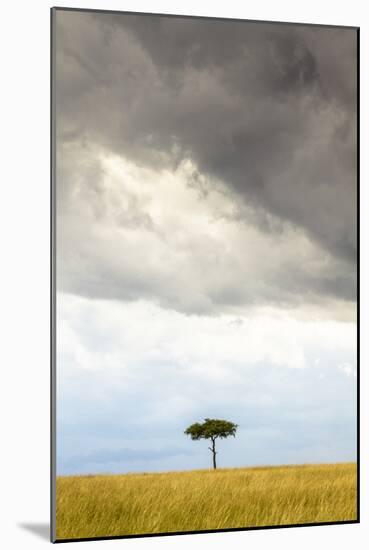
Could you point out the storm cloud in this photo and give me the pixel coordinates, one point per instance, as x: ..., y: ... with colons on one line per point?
x: 265, y: 114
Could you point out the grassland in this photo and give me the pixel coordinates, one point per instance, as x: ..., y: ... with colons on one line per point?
x: 108, y: 505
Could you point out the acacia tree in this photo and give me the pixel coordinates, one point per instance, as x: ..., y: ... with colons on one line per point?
x: 212, y: 429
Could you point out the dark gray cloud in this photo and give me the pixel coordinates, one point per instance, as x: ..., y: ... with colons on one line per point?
x: 268, y: 110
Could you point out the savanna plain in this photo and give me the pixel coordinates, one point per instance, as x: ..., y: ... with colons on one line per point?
x: 129, y: 504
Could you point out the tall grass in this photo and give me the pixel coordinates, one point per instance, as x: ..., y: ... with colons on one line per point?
x: 108, y: 505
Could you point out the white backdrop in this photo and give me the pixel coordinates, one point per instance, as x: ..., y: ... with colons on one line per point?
x: 24, y: 275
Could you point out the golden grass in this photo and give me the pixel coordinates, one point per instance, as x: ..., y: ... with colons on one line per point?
x: 111, y: 505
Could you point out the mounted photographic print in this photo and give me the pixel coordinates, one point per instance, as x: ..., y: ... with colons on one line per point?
x: 204, y: 274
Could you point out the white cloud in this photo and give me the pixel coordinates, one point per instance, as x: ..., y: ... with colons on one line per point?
x: 347, y: 369
x: 111, y: 335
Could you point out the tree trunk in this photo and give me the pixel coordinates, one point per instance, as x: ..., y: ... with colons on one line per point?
x: 212, y: 448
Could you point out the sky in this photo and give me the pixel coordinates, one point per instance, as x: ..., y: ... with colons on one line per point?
x: 206, y: 241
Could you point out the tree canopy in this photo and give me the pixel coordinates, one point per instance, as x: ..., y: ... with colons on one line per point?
x: 211, y: 428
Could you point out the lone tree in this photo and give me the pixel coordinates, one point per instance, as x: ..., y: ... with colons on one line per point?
x: 211, y: 428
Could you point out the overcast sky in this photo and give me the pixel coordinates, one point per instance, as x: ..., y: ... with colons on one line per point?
x: 206, y: 241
